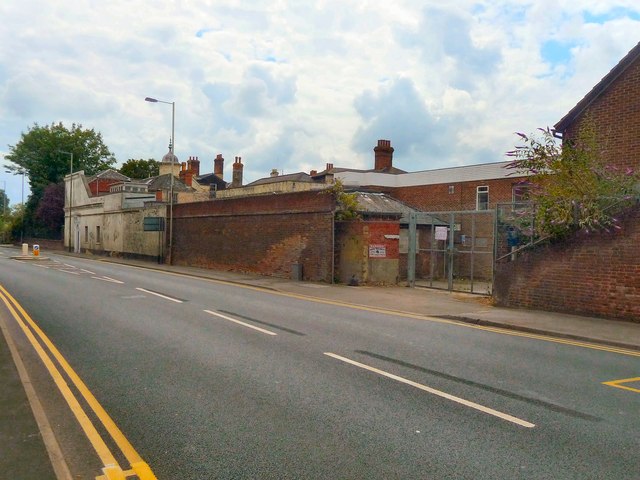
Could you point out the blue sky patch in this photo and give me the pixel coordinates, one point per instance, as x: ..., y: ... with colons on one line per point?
x: 613, y: 14
x: 555, y: 52
x: 200, y: 33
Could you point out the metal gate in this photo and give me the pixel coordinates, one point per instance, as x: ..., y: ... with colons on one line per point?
x: 453, y: 251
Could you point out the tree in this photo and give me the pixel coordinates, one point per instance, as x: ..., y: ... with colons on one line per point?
x: 140, y: 168
x: 50, y: 210
x: 5, y: 215
x: 572, y: 186
x: 44, y: 154
x: 346, y: 203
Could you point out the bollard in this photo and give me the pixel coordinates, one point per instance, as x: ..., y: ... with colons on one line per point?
x: 25, y: 249
x: 36, y: 250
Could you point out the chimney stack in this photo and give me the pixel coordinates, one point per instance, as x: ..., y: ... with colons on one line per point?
x: 329, y: 167
x: 274, y: 172
x: 218, y: 166
x: 194, y: 166
x: 383, y: 155
x: 236, y: 180
x: 313, y: 173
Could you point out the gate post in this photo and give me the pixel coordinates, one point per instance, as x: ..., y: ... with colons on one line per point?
x: 450, y: 250
x: 412, y: 250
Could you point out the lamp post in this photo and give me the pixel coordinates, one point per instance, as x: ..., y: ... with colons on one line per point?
x: 173, y: 156
x: 4, y: 212
x: 70, y: 191
x: 22, y: 203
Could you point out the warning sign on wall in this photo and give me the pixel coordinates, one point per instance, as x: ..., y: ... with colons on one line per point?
x: 377, y: 251
x: 441, y: 233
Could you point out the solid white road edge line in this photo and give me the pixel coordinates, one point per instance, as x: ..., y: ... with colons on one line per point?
x: 462, y: 401
x: 240, y: 323
x: 159, y: 295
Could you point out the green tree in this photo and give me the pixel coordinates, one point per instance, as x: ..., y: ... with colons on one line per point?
x: 5, y: 217
x: 140, y: 168
x: 43, y: 153
x: 572, y: 186
x: 346, y: 203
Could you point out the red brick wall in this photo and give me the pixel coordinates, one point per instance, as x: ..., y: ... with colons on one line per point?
x: 595, y: 274
x: 353, y: 239
x: 436, y: 198
x: 261, y: 234
x: 616, y: 115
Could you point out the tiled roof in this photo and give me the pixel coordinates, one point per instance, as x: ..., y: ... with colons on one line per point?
x: 163, y: 182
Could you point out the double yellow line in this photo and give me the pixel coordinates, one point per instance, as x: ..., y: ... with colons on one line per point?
x: 111, y: 469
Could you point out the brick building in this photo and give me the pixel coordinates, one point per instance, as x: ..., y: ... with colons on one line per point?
x: 596, y: 274
x: 471, y: 187
x: 613, y: 107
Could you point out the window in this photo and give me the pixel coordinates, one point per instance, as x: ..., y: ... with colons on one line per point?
x: 86, y: 233
x: 452, y: 189
x: 520, y: 192
x: 482, y: 198
x: 98, y: 237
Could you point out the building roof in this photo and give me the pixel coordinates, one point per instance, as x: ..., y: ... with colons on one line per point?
x: 109, y: 174
x: 599, y: 89
x: 211, y: 179
x: 169, y: 156
x: 468, y: 173
x: 163, y: 182
x: 381, y: 204
x: 291, y: 177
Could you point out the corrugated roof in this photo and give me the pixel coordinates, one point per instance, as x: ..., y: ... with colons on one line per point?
x: 372, y: 204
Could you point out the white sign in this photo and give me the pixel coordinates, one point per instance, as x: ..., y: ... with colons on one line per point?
x: 441, y: 233
x: 377, y: 251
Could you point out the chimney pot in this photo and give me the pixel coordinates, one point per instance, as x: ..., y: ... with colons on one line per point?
x: 218, y: 166
x: 236, y: 180
x: 383, y: 155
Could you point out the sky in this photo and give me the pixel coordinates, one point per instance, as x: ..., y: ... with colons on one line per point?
x: 296, y: 84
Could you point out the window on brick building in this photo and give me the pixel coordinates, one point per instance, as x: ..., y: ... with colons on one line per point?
x: 452, y: 189
x: 482, y: 198
x: 98, y: 236
x: 86, y: 233
x: 521, y: 192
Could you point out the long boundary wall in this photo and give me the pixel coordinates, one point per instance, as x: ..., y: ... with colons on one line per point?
x: 596, y: 274
x: 266, y: 234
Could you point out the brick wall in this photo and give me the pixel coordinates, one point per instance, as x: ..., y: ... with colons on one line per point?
x: 262, y: 234
x: 436, y: 198
x: 353, y: 255
x: 595, y: 274
x: 616, y: 115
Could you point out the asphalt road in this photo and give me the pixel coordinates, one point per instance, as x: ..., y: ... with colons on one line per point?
x: 213, y: 380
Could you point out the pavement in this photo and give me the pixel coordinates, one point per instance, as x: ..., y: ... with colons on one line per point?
x: 18, y: 425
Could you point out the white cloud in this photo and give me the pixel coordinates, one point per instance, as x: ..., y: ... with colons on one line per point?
x: 293, y: 85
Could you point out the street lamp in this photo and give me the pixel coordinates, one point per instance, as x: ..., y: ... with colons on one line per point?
x: 4, y: 212
x: 22, y: 171
x: 173, y: 156
x: 70, y: 191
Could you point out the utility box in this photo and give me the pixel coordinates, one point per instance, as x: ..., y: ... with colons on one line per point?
x: 296, y: 271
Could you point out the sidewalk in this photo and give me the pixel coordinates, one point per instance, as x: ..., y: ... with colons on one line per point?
x: 461, y: 307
